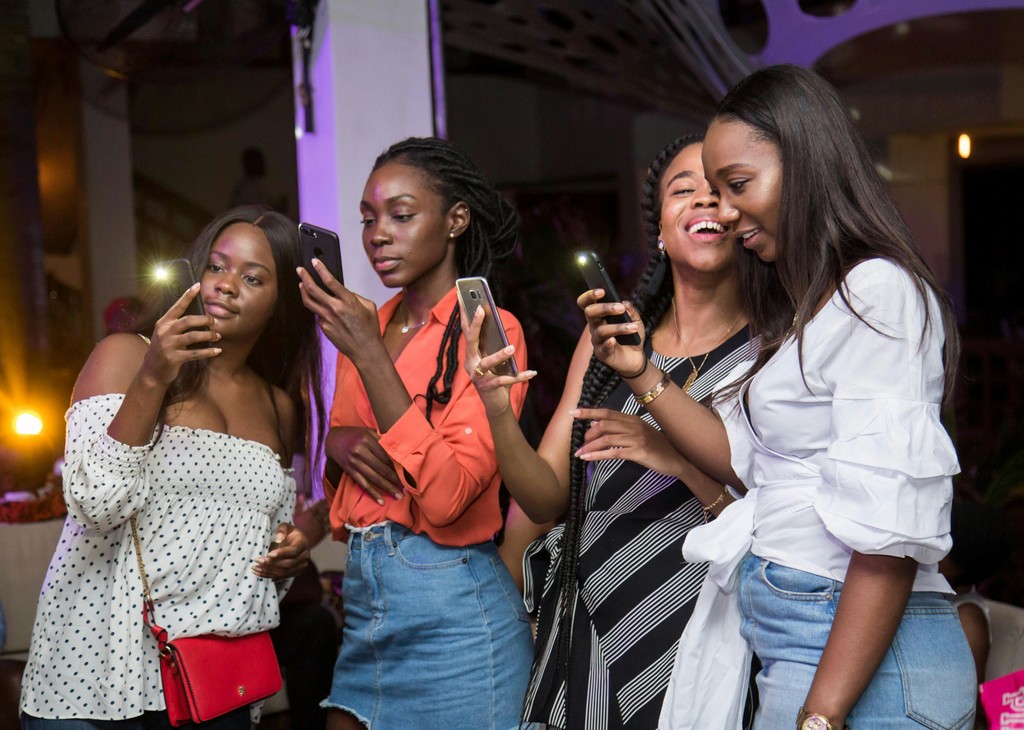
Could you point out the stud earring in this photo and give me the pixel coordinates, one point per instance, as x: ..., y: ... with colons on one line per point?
x: 661, y: 246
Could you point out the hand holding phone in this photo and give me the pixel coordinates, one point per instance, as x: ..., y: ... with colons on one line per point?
x: 178, y: 278
x: 324, y: 245
x: 474, y: 292
x: 597, y: 277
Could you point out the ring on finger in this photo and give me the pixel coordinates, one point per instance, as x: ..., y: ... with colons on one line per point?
x: 478, y: 371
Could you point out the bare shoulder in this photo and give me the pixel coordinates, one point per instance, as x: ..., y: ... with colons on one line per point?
x: 111, y: 366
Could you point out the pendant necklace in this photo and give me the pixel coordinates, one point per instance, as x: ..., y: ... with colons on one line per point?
x: 406, y: 328
x: 692, y: 377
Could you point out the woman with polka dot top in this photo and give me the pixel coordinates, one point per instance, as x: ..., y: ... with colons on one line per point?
x: 190, y: 431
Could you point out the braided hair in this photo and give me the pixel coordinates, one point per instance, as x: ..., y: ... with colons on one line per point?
x: 652, y: 296
x: 492, y: 233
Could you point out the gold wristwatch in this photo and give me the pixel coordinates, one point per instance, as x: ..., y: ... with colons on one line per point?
x: 814, y: 721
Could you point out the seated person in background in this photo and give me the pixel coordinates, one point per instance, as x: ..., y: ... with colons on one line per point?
x: 981, y: 544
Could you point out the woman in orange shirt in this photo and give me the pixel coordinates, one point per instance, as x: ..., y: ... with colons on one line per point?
x: 435, y: 630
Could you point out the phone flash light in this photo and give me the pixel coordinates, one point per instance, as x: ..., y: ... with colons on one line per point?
x: 581, y: 258
x: 160, y: 273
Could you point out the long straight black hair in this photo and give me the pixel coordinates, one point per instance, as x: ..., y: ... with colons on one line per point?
x: 287, y: 353
x: 834, y: 210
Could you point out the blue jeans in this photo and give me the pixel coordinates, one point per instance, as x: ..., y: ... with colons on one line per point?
x: 435, y: 636
x: 235, y: 720
x: 926, y: 679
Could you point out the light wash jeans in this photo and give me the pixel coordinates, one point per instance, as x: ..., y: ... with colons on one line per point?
x: 926, y: 680
x: 435, y: 636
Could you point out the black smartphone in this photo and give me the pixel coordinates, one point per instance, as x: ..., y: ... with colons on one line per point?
x: 474, y: 292
x: 177, y: 278
x: 597, y: 277
x: 322, y: 244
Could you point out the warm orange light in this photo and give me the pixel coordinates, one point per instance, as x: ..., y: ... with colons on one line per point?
x: 963, y: 145
x: 28, y: 423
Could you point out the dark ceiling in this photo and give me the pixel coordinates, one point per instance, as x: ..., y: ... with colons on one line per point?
x: 679, y: 56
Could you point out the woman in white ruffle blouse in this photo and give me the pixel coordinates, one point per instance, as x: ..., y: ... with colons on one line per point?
x: 827, y: 569
x: 190, y: 431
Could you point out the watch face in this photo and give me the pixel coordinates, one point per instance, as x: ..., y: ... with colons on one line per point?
x: 815, y: 722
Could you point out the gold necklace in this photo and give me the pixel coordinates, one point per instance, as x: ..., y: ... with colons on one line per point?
x: 692, y: 377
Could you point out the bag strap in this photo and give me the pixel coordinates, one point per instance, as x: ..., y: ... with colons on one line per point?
x: 148, y: 607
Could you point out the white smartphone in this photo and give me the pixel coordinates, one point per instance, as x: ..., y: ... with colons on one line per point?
x: 474, y: 292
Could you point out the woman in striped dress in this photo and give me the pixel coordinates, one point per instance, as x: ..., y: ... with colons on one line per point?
x: 616, y: 593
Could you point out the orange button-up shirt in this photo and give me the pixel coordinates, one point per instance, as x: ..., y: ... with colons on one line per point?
x: 452, y: 496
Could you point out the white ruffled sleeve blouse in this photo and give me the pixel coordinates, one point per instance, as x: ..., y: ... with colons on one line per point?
x: 849, y: 456
x: 852, y: 456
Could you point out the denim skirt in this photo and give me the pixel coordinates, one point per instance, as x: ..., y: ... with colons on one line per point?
x: 435, y: 636
x: 926, y: 680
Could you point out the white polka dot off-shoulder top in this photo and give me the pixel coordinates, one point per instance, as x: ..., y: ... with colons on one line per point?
x: 206, y: 504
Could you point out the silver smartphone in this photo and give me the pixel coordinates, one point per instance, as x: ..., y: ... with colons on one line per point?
x: 474, y: 292
x: 597, y: 277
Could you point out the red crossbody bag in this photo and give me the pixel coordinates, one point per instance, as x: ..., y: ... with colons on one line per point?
x: 208, y: 676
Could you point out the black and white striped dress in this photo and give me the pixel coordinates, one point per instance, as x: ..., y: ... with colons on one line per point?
x: 636, y: 592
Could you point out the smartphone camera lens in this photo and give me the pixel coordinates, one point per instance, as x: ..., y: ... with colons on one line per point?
x: 474, y: 294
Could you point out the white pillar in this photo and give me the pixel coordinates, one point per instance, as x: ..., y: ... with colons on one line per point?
x: 370, y: 73
x: 370, y: 79
x: 110, y: 200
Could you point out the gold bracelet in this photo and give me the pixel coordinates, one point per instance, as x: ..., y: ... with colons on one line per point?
x: 718, y: 501
x: 655, y: 391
